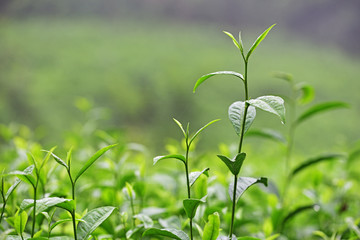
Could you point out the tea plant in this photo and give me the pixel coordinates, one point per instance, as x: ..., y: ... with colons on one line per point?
x: 241, y: 115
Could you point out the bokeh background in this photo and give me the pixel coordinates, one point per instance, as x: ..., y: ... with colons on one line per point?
x: 129, y: 66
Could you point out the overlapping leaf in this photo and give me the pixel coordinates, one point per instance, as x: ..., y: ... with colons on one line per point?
x: 236, y: 116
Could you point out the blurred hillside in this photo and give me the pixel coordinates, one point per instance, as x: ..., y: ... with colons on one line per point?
x: 131, y: 65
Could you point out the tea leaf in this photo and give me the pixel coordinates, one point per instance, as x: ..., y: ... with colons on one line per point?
x: 25, y: 175
x: 236, y: 116
x: 60, y: 161
x: 237, y: 44
x: 243, y: 184
x: 190, y: 206
x: 92, y: 220
x: 46, y: 158
x: 234, y: 164
x: 181, y: 127
x: 148, y: 222
x: 284, y: 76
x: 319, y: 108
x: 92, y: 160
x: 316, y: 160
x: 67, y: 205
x: 212, y: 227
x: 248, y: 238
x: 195, y: 175
x: 297, y: 211
x: 201, y: 129
x: 42, y: 204
x: 258, y: 41
x: 167, y: 232
x: 272, y: 104
x: 20, y: 221
x: 12, y: 188
x: 175, y: 156
x: 268, y: 133
x: 205, y: 77
x: 307, y: 93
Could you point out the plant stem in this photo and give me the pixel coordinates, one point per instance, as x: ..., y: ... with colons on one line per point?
x: 4, y: 204
x: 239, y: 150
x: 188, y: 183
x: 34, y: 211
x: 73, y: 214
x: 132, y: 210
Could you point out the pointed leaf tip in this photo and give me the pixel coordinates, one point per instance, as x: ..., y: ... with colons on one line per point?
x: 258, y: 41
x: 207, y: 76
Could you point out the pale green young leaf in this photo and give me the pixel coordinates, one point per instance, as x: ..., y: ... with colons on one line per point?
x: 59, y: 160
x: 95, y: 157
x: 320, y: 108
x: 193, y: 176
x: 181, y: 127
x: 212, y: 227
x: 25, y: 175
x: 69, y: 156
x: 258, y: 41
x: 20, y: 221
x: 248, y: 238
x: 201, y: 129
x: 243, y: 184
x: 46, y: 158
x: 236, y: 114
x: 284, y: 76
x: 145, y: 219
x: 234, y: 164
x: 271, y: 104
x: 167, y: 232
x: 307, y: 93
x: 93, y: 220
x: 191, y: 205
x: 174, y: 156
x: 12, y: 188
x: 237, y: 44
x: 207, y: 76
x: 273, y: 237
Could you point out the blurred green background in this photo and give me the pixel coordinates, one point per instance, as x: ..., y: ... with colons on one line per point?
x: 130, y: 66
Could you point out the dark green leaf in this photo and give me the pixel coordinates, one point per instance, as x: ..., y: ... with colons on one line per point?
x: 272, y: 104
x: 258, y: 41
x: 92, y: 160
x: 312, y: 161
x: 234, y: 164
x: 319, y: 108
x: 236, y: 116
x: 92, y: 220
x: 190, y: 206
x: 268, y: 133
x: 42, y: 204
x: 212, y: 227
x: 205, y: 77
x: 181, y: 127
x: 67, y: 205
x: 297, y: 211
x: 195, y: 175
x: 243, y: 184
x: 167, y: 232
x: 201, y: 129
x: 175, y: 156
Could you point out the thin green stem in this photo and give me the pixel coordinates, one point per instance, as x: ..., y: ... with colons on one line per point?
x: 4, y: 204
x: 239, y: 150
x: 34, y: 213
x: 73, y: 213
x: 188, y: 183
x: 132, y: 210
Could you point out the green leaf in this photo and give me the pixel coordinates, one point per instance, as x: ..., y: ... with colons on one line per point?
x: 190, y: 206
x: 42, y: 204
x: 67, y: 205
x: 60, y: 161
x: 269, y: 134
x: 63, y: 221
x: 92, y: 160
x: 258, y: 41
x: 12, y: 188
x: 312, y: 161
x: 20, y: 221
x: 167, y: 232
x: 243, y: 184
x: 307, y: 93
x: 25, y: 175
x: 212, y: 227
x: 297, y: 211
x: 195, y: 175
x: 148, y: 222
x: 205, y: 77
x: 319, y: 108
x: 201, y: 129
x: 273, y: 237
x: 236, y: 116
x: 234, y: 164
x: 181, y: 127
x: 237, y: 44
x: 248, y: 238
x: 68, y: 157
x: 46, y: 158
x: 92, y: 220
x: 272, y: 104
x: 175, y: 156
x: 284, y: 76
x: 233, y: 237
